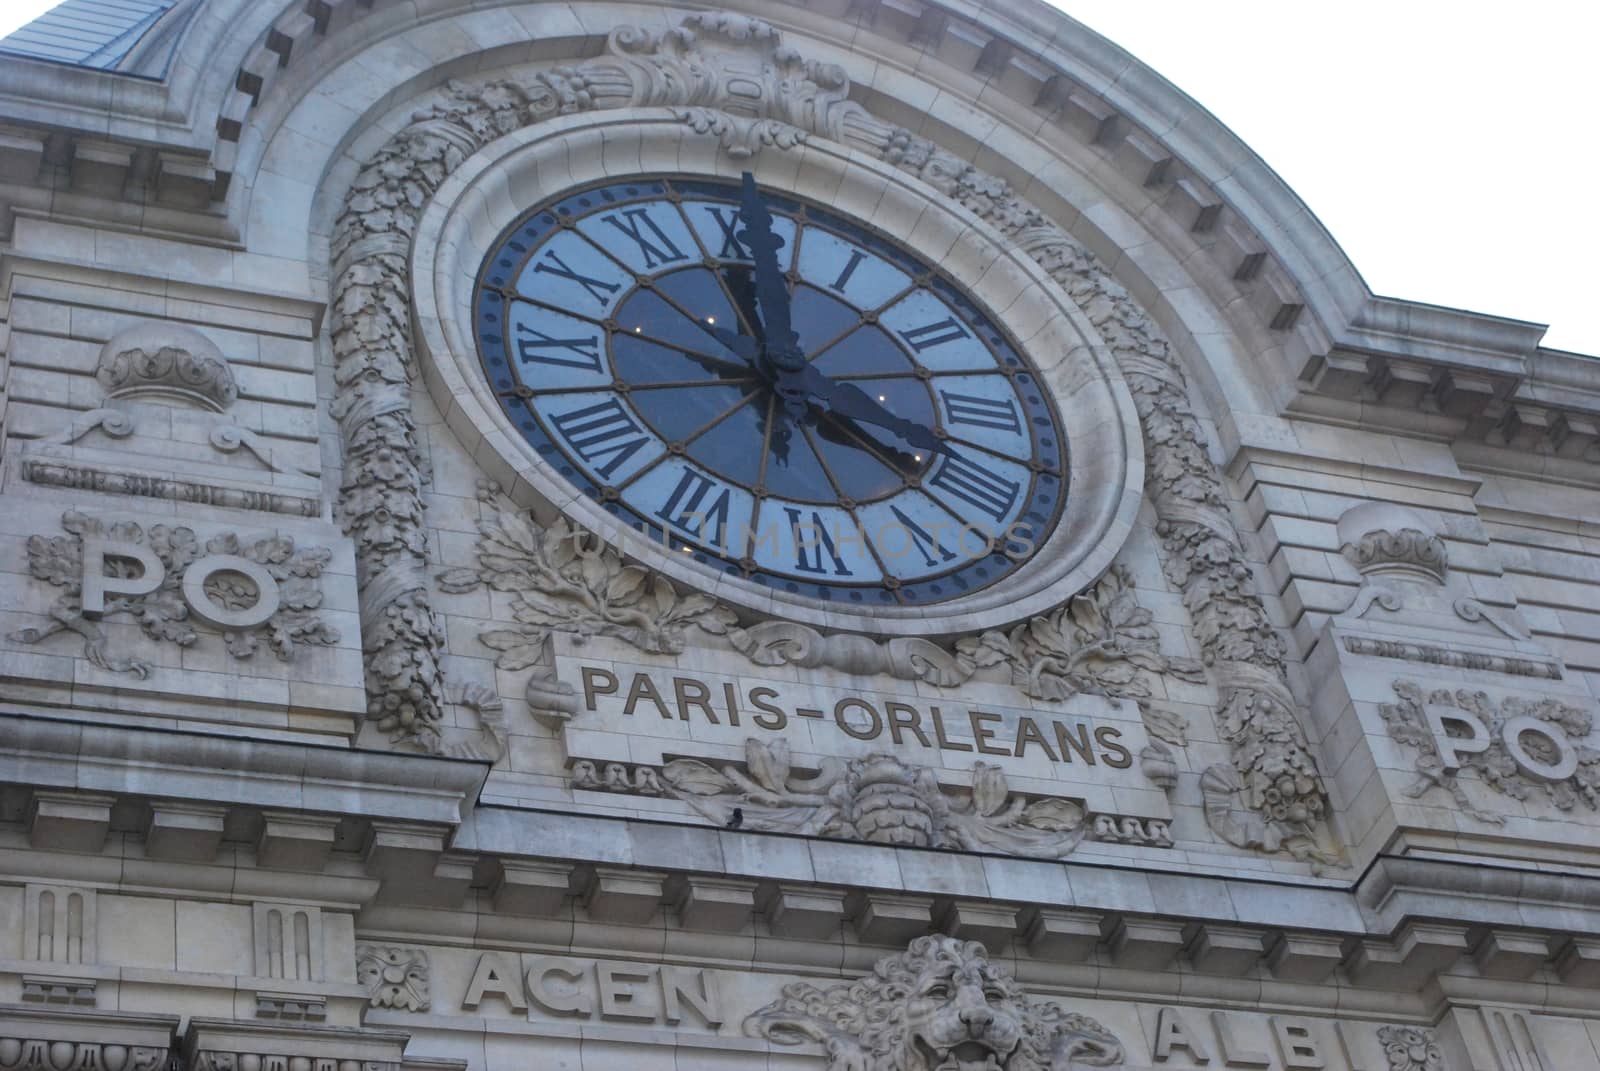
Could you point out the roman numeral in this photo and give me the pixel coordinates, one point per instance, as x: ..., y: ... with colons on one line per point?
x: 547, y: 349
x: 695, y: 508
x: 605, y: 430
x: 728, y: 220
x: 925, y: 543
x: 638, y: 219
x: 811, y: 539
x: 856, y: 257
x: 935, y: 334
x: 984, y: 491
x: 599, y: 289
x: 982, y: 412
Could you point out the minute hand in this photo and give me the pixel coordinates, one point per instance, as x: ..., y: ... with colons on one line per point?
x: 849, y: 400
x: 772, y: 289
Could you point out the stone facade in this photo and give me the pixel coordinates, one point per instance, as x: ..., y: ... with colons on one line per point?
x: 336, y: 732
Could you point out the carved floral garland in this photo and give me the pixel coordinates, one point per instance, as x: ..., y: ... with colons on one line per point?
x: 1271, y: 797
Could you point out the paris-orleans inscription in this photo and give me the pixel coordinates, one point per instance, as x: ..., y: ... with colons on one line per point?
x: 924, y: 725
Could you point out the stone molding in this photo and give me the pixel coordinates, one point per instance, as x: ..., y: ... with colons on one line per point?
x: 1272, y: 798
x: 33, y: 1038
x: 228, y: 1045
x: 911, y: 1013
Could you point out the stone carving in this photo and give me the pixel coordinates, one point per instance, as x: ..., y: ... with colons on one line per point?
x: 879, y: 799
x: 166, y: 362
x: 778, y: 643
x: 1517, y: 748
x: 165, y: 611
x: 938, y: 1006
x: 1404, y: 563
x: 1273, y: 779
x: 395, y: 977
x: 1097, y: 643
x: 565, y: 579
x: 693, y: 66
x: 616, y: 777
x: 1411, y: 1048
x: 32, y: 1054
x: 1407, y: 551
x: 217, y: 1060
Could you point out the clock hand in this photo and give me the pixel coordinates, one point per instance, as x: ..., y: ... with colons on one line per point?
x: 849, y: 400
x: 782, y: 345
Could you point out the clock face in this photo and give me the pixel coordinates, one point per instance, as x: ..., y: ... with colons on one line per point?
x: 897, y: 449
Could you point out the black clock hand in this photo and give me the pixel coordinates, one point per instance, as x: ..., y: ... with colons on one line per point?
x: 849, y: 400
x: 782, y: 345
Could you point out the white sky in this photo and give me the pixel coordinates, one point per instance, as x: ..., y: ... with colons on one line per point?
x: 1447, y: 145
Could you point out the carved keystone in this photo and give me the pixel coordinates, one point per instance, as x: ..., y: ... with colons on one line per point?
x: 1144, y: 944
x: 803, y: 912
x: 68, y: 821
x: 1229, y: 950
x: 1062, y: 936
x: 184, y: 832
x: 882, y: 919
x: 1510, y: 955
x: 722, y: 905
x: 1416, y: 953
x: 528, y: 888
x: 1304, y: 957
x: 992, y: 925
x: 629, y: 897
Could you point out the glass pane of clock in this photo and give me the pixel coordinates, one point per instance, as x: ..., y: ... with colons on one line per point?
x: 873, y: 461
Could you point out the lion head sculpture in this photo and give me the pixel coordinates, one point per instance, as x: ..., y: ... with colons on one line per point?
x: 938, y: 1006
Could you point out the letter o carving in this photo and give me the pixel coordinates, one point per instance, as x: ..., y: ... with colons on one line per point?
x: 1566, y: 763
x: 205, y: 608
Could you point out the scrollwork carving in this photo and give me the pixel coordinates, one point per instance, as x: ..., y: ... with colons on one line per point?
x: 879, y: 799
x: 395, y: 977
x: 938, y: 1006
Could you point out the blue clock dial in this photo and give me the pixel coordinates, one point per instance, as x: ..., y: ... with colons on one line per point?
x: 774, y: 389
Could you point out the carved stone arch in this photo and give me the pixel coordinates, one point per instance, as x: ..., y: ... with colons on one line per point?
x: 1271, y: 796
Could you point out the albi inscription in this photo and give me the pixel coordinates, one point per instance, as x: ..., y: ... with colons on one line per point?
x: 688, y: 699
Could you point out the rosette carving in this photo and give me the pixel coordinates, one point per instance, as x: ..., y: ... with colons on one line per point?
x: 395, y: 977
